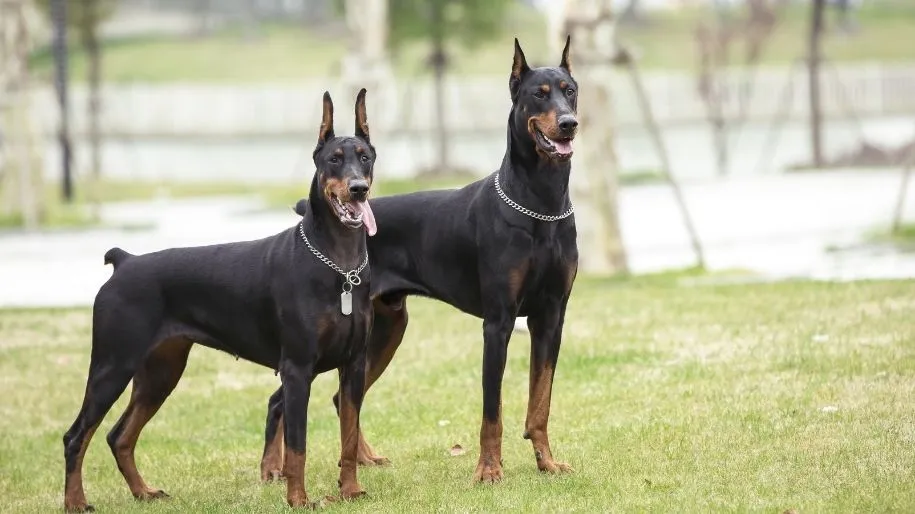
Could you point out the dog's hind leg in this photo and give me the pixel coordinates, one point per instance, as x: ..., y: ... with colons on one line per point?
x: 152, y: 384
x: 388, y: 330
x: 272, y: 459
x: 108, y: 377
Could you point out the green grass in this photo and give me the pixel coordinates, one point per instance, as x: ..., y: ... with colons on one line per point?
x: 667, y: 399
x: 884, y: 35
x: 902, y: 239
x: 286, y: 52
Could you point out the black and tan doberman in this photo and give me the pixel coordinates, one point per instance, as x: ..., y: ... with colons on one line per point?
x: 499, y: 248
x: 297, y: 302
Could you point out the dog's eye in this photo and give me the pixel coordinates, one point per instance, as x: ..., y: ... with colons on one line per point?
x: 364, y: 158
x: 334, y: 160
x: 540, y: 95
x: 570, y: 92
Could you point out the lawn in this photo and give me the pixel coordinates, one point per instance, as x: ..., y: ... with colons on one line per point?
x: 667, y: 398
x: 288, y: 52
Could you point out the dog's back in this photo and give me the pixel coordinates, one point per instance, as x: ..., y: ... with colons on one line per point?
x: 207, y: 291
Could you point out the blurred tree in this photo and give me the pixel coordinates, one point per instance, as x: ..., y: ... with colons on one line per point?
x: 20, y: 165
x: 442, y: 23
x: 86, y: 18
x: 58, y: 11
x: 814, y: 57
x: 632, y: 14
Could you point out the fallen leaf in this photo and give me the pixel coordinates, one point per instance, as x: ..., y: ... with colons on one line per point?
x: 457, y: 450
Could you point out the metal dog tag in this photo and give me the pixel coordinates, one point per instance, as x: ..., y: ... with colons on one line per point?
x: 346, y: 303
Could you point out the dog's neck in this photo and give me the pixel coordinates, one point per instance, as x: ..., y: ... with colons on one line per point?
x: 531, y: 179
x: 344, y: 246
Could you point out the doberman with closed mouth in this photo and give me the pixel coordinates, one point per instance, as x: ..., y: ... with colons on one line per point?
x: 297, y: 302
x: 499, y: 248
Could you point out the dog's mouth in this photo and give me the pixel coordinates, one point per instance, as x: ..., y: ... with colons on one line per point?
x: 354, y: 214
x: 556, y: 148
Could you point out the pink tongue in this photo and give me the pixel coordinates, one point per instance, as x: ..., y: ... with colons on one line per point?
x: 368, y: 219
x: 563, y: 147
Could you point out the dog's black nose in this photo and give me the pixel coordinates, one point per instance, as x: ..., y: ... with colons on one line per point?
x: 358, y: 188
x: 568, y: 123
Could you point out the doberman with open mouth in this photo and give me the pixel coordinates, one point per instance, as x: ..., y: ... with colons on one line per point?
x: 297, y: 302
x: 499, y: 248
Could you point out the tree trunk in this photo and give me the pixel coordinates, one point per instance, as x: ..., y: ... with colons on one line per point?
x: 632, y: 13
x: 593, y: 26
x: 20, y: 177
x: 439, y: 65
x: 814, y: 57
x: 203, y: 18
x: 249, y: 22
x: 899, y: 212
x: 91, y: 46
x: 61, y: 86
x: 597, y: 207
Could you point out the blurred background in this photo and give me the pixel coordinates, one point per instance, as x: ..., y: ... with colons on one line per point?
x: 740, y: 140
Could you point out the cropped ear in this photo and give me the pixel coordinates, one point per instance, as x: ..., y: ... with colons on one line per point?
x: 362, y: 125
x: 519, y: 69
x: 566, y: 63
x: 327, y: 120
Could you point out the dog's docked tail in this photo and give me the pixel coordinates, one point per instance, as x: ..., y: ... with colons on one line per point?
x: 301, y: 207
x: 116, y: 256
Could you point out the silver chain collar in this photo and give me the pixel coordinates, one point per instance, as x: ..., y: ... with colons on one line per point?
x: 351, y: 276
x: 523, y: 210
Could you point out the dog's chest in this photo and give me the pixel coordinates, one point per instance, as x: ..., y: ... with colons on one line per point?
x: 341, y: 337
x: 551, y: 258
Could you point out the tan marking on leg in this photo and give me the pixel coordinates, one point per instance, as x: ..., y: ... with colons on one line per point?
x: 272, y: 463
x: 538, y: 414
x: 137, y: 416
x: 349, y: 445
x: 74, y: 495
x: 163, y: 369
x: 294, y: 469
x: 489, y: 467
x: 375, y: 366
x: 571, y: 273
x: 516, y: 278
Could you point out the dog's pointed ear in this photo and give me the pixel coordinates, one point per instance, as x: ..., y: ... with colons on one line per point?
x: 519, y: 69
x: 362, y: 124
x: 565, y: 63
x: 327, y: 120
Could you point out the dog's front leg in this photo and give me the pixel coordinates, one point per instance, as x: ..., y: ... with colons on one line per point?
x: 497, y: 327
x: 546, y: 337
x: 352, y: 389
x: 297, y: 380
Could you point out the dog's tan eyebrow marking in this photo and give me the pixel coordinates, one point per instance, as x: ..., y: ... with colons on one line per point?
x: 545, y: 88
x: 338, y: 152
x: 360, y: 149
x: 563, y: 84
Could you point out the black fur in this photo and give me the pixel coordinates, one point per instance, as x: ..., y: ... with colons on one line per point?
x: 269, y: 301
x: 468, y: 248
